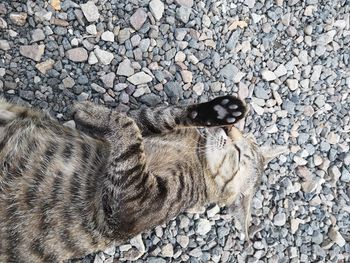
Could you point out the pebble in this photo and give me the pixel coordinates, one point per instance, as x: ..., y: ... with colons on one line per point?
x: 279, y: 219
x: 187, y: 3
x: 157, y: 9
x: 203, y: 227
x: 183, y: 13
x: 138, y: 18
x: 183, y: 240
x: 19, y: 19
x: 104, y: 57
x: 140, y: 78
x: 268, y: 75
x: 38, y: 35
x: 336, y: 237
x: 108, y: 79
x: 280, y: 71
x: 292, y: 84
x: 5, y: 45
x: 125, y: 68
x: 107, y: 36
x: 90, y: 11
x: 186, y: 76
x: 78, y: 54
x: 123, y: 35
x: 198, y: 88
x: 98, y: 88
x: 168, y: 251
x: 68, y: 82
x: 43, y: 67
x: 92, y: 58
x: 317, y: 69
x: 91, y: 29
x: 34, y: 52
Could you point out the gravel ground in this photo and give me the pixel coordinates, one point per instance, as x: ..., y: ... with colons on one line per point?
x: 291, y: 57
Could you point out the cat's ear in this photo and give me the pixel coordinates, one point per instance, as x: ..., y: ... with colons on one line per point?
x: 241, y: 212
x: 271, y: 152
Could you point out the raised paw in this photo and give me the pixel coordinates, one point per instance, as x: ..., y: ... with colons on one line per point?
x: 220, y: 111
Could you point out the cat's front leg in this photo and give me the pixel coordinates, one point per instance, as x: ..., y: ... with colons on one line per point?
x: 221, y: 111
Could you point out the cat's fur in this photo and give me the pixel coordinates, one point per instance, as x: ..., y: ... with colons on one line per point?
x: 65, y: 193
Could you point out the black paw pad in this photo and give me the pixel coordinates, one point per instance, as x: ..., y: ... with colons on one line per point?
x: 221, y: 111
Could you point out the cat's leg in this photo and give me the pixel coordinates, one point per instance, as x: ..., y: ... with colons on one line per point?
x: 221, y: 111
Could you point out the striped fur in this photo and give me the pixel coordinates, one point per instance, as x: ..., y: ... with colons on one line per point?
x: 65, y: 193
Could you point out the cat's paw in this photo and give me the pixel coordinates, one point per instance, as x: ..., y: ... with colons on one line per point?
x: 89, y: 115
x: 221, y: 111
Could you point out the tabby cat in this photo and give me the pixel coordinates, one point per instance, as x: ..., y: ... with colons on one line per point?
x: 65, y: 192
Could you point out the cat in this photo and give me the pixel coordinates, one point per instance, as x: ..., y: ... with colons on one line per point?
x: 65, y: 193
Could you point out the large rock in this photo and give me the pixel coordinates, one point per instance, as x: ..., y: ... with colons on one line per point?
x: 78, y: 54
x: 90, y: 11
x: 34, y: 52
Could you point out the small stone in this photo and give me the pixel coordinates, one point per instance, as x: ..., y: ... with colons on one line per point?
x: 68, y: 82
x: 186, y: 76
x: 345, y: 176
x: 43, y: 67
x: 138, y: 18
x: 336, y: 237
x: 19, y: 19
x: 305, y: 83
x: 38, y: 35
x: 256, y: 18
x: 173, y: 90
x: 78, y: 54
x: 107, y: 36
x: 167, y: 251
x: 180, y: 56
x: 206, y: 21
x: 197, y: 252
x: 213, y: 211
x: 308, y: 30
x: 280, y: 71
x: 249, y: 3
x: 317, y: 69
x: 216, y: 86
x: 140, y: 78
x: 90, y: 11
x: 71, y: 124
x: 294, y: 224
x: 157, y: 9
x: 268, y: 75
x: 98, y: 88
x: 108, y: 79
x: 198, y: 88
x: 104, y: 57
x: 183, y: 13
x: 188, y: 3
x: 4, y: 45
x: 292, y: 84
x: 91, y: 29
x: 33, y: 52
x: 137, y: 242
x: 279, y: 219
x: 92, y: 58
x: 333, y: 138
x: 125, y: 68
x: 229, y: 71
x: 3, y: 23
x: 203, y: 226
x: 291, y: 31
x: 123, y: 35
x: 56, y: 4
x: 183, y: 240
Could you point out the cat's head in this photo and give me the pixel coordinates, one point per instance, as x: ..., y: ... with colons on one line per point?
x: 236, y: 164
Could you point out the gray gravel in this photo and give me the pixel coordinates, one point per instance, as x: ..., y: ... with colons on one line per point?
x: 292, y: 58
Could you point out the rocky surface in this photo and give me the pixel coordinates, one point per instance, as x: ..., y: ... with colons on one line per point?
x: 291, y: 58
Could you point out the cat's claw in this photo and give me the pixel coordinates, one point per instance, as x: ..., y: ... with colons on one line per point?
x: 221, y: 111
